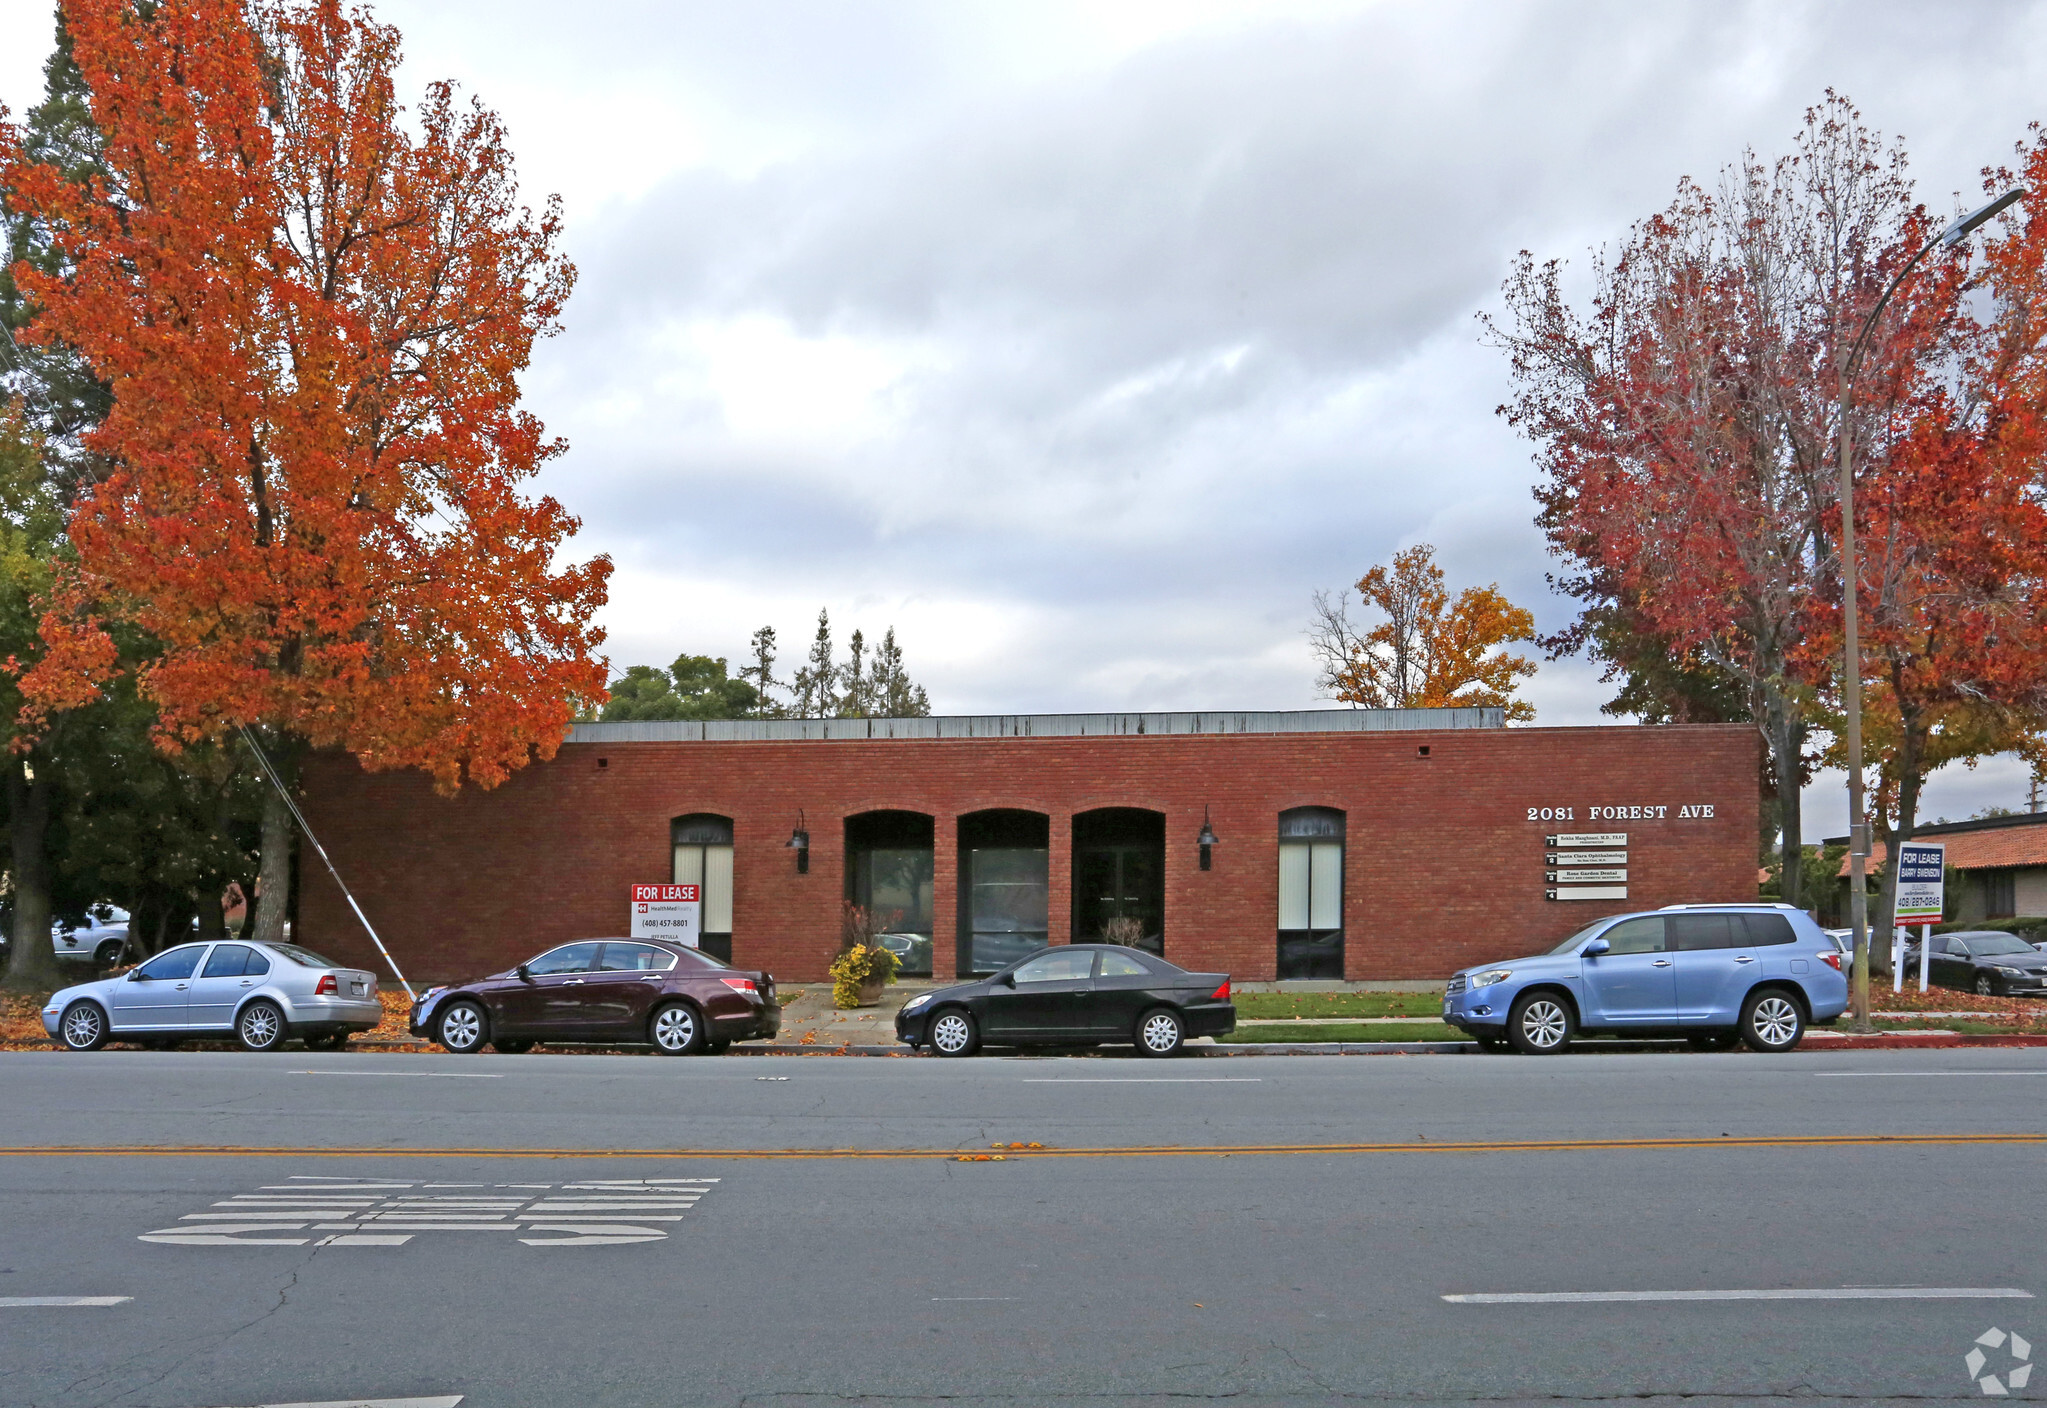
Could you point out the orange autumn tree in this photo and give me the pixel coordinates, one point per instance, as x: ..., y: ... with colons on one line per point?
x: 1430, y: 652
x: 313, y: 309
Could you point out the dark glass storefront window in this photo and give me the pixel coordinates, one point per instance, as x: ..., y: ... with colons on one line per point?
x: 1005, y: 868
x: 1119, y: 877
x: 889, y: 874
x: 1311, y: 893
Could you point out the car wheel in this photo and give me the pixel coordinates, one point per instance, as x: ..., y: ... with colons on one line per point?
x: 511, y: 1048
x: 677, y: 1030
x: 83, y: 1027
x: 109, y: 953
x: 261, y: 1027
x: 462, y: 1027
x: 1539, y: 1024
x: 1771, y: 1021
x: 953, y: 1033
x: 327, y: 1041
x: 1986, y: 986
x: 1160, y: 1033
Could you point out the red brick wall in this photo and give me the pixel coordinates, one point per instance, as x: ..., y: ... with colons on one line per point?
x: 1443, y: 866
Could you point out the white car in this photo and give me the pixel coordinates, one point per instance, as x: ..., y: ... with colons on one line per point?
x: 101, y: 939
x: 261, y: 994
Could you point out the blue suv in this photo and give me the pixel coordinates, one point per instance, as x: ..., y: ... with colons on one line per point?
x: 1714, y: 974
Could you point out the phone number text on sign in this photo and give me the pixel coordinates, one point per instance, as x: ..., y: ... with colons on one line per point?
x: 672, y: 912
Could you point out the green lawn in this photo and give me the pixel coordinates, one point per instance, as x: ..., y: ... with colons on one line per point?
x: 1338, y: 1004
x: 1348, y: 1031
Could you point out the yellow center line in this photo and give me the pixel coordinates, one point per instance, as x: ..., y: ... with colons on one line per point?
x: 1543, y: 1146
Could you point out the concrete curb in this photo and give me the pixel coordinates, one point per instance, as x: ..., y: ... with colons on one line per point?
x: 1814, y: 1041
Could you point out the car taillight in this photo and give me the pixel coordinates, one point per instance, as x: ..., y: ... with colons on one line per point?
x: 326, y: 985
x: 1832, y: 960
x: 740, y: 984
x: 1221, y: 994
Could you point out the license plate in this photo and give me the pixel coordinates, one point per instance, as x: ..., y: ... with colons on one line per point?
x: 357, y: 988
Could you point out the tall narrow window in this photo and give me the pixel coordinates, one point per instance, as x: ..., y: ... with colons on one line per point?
x: 1311, y: 893
x: 703, y: 856
x: 889, y: 873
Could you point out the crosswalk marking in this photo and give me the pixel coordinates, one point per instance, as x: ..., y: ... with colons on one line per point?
x: 380, y: 1212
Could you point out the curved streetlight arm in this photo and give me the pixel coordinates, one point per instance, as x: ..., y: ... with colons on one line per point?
x: 1953, y: 235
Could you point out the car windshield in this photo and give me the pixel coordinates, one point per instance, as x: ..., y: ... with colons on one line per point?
x: 304, y: 957
x: 1580, y: 937
x: 1991, y: 945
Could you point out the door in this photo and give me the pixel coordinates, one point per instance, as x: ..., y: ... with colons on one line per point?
x: 1716, y: 966
x: 1124, y: 987
x: 1049, y: 998
x: 221, y: 985
x: 547, y: 996
x: 154, y: 994
x: 617, y: 998
x: 1632, y: 983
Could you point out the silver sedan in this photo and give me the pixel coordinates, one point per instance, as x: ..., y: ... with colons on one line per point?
x: 261, y: 994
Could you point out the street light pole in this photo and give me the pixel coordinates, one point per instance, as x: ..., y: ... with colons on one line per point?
x: 1851, y: 577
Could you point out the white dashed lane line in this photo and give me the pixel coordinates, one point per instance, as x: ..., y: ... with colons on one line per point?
x: 1814, y: 1293
x: 24, y: 1302
x: 416, y: 1075
x: 444, y: 1401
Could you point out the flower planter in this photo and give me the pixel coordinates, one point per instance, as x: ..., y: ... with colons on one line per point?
x: 870, y: 990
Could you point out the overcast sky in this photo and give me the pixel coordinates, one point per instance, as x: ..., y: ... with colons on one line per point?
x: 1082, y: 342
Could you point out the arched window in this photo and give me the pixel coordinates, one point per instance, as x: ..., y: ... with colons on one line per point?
x: 1311, y: 893
x: 889, y: 874
x: 703, y: 856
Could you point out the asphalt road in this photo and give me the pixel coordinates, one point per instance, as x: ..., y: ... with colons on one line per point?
x: 440, y: 1226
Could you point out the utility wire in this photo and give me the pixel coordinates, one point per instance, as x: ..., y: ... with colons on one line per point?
x: 300, y: 817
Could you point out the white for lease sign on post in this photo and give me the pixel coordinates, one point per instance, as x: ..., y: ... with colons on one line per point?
x: 668, y: 912
x: 1921, y: 865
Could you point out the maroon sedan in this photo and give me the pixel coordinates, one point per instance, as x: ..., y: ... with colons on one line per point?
x: 676, y: 999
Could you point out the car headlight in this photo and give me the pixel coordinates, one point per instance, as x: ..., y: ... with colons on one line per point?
x: 1487, y: 979
x: 2013, y: 972
x: 918, y: 1001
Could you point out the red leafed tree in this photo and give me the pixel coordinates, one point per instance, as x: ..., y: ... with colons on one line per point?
x: 1685, y: 423
x: 1953, y: 527
x: 313, y: 310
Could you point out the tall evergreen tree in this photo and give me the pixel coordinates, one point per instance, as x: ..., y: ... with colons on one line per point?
x: 815, y: 685
x: 895, y: 695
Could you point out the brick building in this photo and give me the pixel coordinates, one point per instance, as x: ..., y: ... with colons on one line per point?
x: 1367, y: 844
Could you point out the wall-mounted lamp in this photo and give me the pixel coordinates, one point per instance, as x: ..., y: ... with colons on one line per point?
x: 1207, y: 839
x: 799, y: 842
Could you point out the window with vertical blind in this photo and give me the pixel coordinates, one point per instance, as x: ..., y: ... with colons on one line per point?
x: 702, y: 845
x: 1311, y: 893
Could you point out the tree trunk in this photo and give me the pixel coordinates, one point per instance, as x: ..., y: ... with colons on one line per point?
x: 32, y: 962
x: 273, y: 876
x: 212, y: 923
x: 1784, y: 731
x: 1911, y: 751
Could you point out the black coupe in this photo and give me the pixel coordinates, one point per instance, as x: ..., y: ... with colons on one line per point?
x: 1073, y: 995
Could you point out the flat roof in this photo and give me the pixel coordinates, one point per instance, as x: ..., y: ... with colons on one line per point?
x: 1041, y: 726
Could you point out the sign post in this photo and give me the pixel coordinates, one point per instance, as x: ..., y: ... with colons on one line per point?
x: 1922, y: 868
x: 672, y: 912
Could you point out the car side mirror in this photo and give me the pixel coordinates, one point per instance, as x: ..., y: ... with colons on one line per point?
x: 138, y: 976
x: 1595, y: 948
x: 525, y: 973
x: 1008, y: 980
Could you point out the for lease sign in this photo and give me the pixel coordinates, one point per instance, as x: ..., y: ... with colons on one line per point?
x: 668, y: 912
x: 1920, y: 866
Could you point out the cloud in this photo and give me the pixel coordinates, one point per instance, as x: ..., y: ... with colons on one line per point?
x: 1083, y: 342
